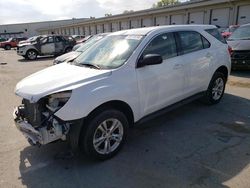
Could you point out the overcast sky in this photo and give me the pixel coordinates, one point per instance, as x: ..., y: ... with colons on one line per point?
x: 16, y: 11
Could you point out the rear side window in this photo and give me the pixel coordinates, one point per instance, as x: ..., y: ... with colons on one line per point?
x: 216, y: 34
x: 163, y: 45
x: 190, y: 41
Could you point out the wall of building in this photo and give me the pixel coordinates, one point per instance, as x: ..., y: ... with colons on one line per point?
x: 217, y: 12
x: 31, y: 29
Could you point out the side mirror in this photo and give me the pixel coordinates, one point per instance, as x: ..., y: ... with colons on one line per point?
x: 149, y: 59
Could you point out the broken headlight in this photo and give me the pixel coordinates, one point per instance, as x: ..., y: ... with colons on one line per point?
x: 57, y: 100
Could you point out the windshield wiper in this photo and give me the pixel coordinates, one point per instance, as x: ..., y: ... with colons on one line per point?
x: 90, y: 65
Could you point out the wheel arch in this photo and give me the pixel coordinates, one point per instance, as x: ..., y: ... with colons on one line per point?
x: 114, y: 104
x: 224, y: 70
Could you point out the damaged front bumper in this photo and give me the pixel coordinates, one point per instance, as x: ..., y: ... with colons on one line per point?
x: 40, y: 135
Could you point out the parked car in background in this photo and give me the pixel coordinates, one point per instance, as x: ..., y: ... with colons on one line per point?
x: 127, y: 77
x: 228, y: 32
x: 239, y: 41
x: 84, y: 39
x: 47, y: 45
x: 11, y: 43
x: 80, y: 49
x: 78, y: 37
x: 2, y: 39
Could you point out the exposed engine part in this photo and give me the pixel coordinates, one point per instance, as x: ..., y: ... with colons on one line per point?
x: 40, y: 136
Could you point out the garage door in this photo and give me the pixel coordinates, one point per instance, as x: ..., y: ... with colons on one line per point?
x: 107, y: 27
x: 124, y: 25
x: 196, y: 18
x: 177, y: 19
x: 100, y: 28
x: 244, y: 15
x: 220, y: 17
x: 134, y: 24
x: 146, y: 22
x: 115, y: 26
x: 93, y: 30
x: 161, y: 20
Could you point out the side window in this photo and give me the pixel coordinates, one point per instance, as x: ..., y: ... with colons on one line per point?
x: 58, y: 39
x: 190, y: 41
x: 205, y: 42
x: 163, y: 45
x: 216, y: 34
x: 50, y: 40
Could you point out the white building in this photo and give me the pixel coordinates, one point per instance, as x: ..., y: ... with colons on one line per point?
x: 31, y: 29
x: 217, y: 12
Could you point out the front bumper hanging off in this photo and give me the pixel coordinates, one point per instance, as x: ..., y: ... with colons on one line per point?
x: 33, y: 136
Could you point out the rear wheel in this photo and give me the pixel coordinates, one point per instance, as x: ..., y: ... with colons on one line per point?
x: 215, y: 89
x: 68, y: 50
x: 104, y: 135
x: 7, y: 47
x: 31, y: 55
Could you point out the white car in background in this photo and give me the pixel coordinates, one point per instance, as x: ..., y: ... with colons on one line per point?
x: 127, y: 77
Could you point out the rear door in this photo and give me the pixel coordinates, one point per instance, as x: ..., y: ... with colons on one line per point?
x: 196, y: 57
x: 59, y: 44
x: 48, y: 45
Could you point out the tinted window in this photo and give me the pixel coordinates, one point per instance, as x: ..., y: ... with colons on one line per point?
x: 190, y: 41
x: 216, y: 34
x: 58, y: 39
x: 206, y: 44
x: 163, y: 45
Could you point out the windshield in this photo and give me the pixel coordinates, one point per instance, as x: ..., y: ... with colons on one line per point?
x: 90, y: 42
x: 242, y: 33
x: 111, y: 52
x: 10, y: 39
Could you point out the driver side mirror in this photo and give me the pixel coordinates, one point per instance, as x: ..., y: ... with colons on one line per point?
x: 149, y: 59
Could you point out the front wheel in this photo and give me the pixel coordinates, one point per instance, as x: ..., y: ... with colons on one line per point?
x: 104, y: 135
x: 215, y: 89
x: 31, y: 55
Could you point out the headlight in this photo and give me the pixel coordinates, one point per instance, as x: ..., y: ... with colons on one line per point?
x: 58, y: 100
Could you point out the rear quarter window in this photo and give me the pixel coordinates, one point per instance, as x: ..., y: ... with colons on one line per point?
x: 216, y: 34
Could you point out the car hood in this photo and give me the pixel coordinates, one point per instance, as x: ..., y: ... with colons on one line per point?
x: 239, y: 44
x: 27, y: 43
x: 68, y: 56
x: 57, y: 78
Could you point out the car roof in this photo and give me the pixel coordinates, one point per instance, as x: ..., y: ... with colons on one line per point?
x: 146, y: 30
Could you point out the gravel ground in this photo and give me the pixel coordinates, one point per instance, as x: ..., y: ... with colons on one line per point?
x: 192, y: 146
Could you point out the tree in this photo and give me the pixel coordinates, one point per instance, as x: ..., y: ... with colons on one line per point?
x: 107, y: 14
x: 163, y: 3
x: 127, y: 11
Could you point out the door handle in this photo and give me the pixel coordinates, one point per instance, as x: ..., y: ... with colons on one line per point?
x: 178, y: 66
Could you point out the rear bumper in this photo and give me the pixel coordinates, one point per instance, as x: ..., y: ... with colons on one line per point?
x: 240, y: 64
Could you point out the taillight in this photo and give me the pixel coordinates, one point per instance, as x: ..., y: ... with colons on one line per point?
x: 230, y: 50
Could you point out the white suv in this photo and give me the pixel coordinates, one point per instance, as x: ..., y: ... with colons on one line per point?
x: 127, y: 77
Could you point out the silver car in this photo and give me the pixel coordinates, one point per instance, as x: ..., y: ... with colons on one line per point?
x: 239, y: 41
x: 75, y: 53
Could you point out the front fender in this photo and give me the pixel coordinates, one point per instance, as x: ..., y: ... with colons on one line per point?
x: 85, y: 99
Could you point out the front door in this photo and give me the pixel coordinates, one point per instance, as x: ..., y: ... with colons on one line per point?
x: 48, y: 46
x: 161, y: 85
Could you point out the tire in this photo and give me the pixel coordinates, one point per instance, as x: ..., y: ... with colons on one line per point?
x: 31, y: 54
x: 7, y: 47
x: 68, y: 49
x: 99, y: 130
x: 215, y: 89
